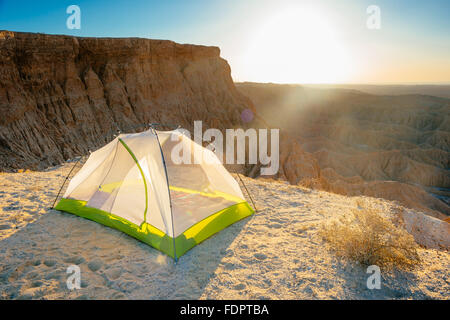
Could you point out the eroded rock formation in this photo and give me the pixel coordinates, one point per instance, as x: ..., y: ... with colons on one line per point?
x: 352, y: 143
x: 60, y: 96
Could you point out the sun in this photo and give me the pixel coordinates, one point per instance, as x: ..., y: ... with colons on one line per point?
x: 296, y: 45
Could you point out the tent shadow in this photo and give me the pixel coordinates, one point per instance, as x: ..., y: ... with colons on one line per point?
x: 113, y: 265
x: 189, y: 277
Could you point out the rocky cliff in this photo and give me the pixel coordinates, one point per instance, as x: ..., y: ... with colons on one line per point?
x: 61, y: 96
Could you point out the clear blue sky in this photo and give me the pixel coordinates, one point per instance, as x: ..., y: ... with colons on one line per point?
x: 413, y: 44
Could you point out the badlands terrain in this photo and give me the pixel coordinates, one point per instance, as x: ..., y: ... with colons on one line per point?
x: 341, y: 150
x: 276, y: 254
x: 61, y: 96
x: 354, y: 143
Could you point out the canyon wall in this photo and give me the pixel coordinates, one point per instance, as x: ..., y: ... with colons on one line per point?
x: 61, y: 96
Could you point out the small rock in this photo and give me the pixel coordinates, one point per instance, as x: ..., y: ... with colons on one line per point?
x: 229, y: 266
x: 50, y: 262
x: 36, y: 283
x: 260, y: 256
x: 95, y: 265
x: 239, y: 286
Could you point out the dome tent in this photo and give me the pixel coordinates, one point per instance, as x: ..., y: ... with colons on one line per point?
x: 132, y: 184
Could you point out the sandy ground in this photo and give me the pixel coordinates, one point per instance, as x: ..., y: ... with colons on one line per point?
x: 276, y: 254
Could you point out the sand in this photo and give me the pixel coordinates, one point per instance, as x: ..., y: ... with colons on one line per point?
x: 276, y: 254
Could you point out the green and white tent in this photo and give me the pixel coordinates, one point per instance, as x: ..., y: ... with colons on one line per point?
x: 136, y: 185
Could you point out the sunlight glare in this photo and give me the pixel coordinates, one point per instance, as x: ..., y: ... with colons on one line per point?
x: 296, y: 46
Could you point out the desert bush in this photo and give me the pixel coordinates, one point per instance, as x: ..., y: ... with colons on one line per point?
x: 366, y: 236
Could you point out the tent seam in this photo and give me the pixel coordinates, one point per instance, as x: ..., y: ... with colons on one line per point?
x: 170, y: 198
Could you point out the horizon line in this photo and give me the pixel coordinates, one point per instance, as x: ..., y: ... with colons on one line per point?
x: 354, y: 83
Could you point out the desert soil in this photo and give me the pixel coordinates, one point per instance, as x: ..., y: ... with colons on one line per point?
x: 275, y: 254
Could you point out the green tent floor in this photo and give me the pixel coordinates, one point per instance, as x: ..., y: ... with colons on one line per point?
x: 155, y: 237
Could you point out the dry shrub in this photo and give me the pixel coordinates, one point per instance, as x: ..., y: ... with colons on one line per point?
x: 369, y: 238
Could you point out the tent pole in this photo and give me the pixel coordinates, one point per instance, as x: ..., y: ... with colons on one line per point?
x: 249, y: 195
x: 168, y: 190
x: 54, y: 202
x: 106, y: 135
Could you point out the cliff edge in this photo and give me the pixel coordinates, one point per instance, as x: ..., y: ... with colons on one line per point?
x: 60, y: 95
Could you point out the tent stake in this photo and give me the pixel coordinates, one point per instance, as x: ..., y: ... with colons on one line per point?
x: 67, y: 177
x: 249, y: 195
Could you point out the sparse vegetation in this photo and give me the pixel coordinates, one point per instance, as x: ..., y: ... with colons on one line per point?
x: 366, y: 236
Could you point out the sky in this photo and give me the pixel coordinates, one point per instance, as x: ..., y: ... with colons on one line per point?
x: 280, y: 41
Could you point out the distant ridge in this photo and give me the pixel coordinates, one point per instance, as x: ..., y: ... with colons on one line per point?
x: 437, y: 90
